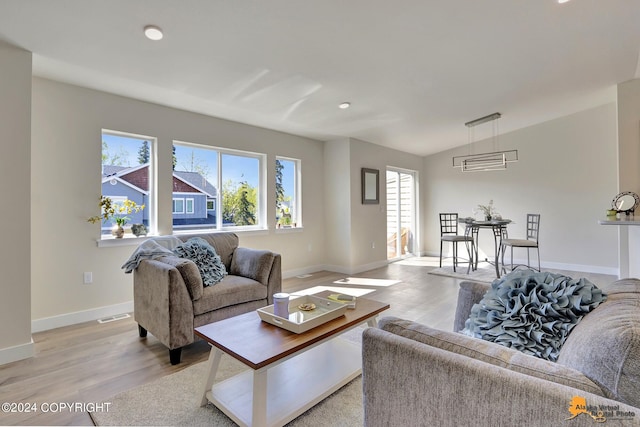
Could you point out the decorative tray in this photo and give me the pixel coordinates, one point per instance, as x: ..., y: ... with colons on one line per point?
x: 301, y: 317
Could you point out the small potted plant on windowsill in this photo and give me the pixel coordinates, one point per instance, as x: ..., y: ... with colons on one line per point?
x: 117, y: 212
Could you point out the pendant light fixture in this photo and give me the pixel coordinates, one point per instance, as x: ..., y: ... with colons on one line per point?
x: 491, y: 161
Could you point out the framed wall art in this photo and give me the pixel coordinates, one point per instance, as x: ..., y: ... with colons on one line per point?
x: 370, y: 186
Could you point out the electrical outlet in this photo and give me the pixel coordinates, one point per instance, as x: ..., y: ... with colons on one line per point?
x: 87, y: 277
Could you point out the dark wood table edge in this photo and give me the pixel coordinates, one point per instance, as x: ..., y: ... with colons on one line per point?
x: 329, y: 333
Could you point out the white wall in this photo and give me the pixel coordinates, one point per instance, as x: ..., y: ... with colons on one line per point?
x: 67, y: 123
x: 369, y: 222
x: 356, y: 233
x: 629, y: 170
x: 567, y: 172
x: 15, y: 261
x: 337, y: 209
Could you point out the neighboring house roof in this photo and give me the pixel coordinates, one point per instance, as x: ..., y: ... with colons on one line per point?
x: 197, y: 181
x: 109, y: 170
x: 137, y: 177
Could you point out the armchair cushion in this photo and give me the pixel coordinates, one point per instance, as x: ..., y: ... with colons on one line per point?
x: 533, y: 312
x: 489, y: 352
x: 605, y: 345
x: 205, y: 258
x: 232, y: 290
x: 252, y: 263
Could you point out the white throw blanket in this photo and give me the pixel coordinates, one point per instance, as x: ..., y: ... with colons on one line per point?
x: 151, y: 249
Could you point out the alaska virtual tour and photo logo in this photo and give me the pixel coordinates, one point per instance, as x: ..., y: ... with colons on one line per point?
x: 599, y: 413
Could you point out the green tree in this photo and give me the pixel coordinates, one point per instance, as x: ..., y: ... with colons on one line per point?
x: 279, y: 186
x: 238, y: 203
x: 143, y: 153
x: 246, y: 207
x: 175, y: 159
x: 229, y: 203
x: 113, y: 159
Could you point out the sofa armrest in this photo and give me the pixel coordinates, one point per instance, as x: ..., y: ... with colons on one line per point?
x: 162, y: 303
x: 470, y: 293
x: 274, y: 283
x: 260, y: 265
x: 406, y: 382
x: 189, y: 272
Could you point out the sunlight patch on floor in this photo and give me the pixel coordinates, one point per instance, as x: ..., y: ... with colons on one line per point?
x: 356, y: 292
x: 420, y: 261
x: 363, y: 281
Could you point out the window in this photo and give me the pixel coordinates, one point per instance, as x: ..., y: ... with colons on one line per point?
x: 215, y: 180
x: 126, y: 172
x: 288, y: 200
x: 178, y: 206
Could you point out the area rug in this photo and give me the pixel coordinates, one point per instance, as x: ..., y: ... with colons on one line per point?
x: 482, y: 274
x: 173, y: 401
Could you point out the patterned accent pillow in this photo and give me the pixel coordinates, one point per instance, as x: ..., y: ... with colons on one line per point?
x: 532, y: 312
x: 205, y: 258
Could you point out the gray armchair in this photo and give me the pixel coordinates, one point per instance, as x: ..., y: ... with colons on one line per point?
x: 170, y: 299
x: 419, y: 376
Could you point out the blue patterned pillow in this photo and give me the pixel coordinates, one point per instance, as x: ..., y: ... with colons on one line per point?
x: 205, y: 258
x: 532, y: 312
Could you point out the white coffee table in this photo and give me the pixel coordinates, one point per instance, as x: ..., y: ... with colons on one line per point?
x: 290, y: 373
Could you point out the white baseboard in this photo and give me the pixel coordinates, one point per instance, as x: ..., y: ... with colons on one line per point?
x: 46, y: 323
x: 334, y: 268
x: 300, y: 271
x: 15, y: 353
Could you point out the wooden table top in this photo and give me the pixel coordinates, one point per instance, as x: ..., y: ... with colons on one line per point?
x: 258, y: 344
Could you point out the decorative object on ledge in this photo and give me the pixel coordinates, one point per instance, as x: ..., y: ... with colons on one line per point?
x: 491, y: 161
x: 488, y: 211
x: 370, y: 186
x: 139, y: 230
x: 625, y: 202
x: 117, y: 212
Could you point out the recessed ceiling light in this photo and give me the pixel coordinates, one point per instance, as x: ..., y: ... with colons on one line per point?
x: 562, y: 1
x: 345, y: 105
x: 153, y: 33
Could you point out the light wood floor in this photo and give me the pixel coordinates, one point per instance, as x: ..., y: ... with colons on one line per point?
x: 90, y: 362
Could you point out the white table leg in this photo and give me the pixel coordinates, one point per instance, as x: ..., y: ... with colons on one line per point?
x: 372, y: 322
x: 259, y: 411
x: 212, y: 368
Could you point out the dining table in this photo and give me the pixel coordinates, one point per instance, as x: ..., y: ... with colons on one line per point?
x: 499, y: 228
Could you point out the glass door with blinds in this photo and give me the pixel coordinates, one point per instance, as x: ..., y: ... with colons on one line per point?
x: 401, y: 213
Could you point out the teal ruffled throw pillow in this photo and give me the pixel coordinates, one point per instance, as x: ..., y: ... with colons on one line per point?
x: 204, y: 256
x: 532, y: 312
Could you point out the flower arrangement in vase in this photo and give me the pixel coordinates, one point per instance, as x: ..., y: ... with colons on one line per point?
x: 488, y: 211
x: 117, y: 212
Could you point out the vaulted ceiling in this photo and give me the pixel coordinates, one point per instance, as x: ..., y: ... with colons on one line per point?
x: 414, y: 71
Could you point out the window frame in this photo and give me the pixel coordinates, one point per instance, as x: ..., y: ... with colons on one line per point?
x: 151, y: 204
x: 173, y: 209
x: 297, y: 192
x: 261, y: 223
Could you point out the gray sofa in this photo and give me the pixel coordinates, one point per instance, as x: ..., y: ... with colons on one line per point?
x: 414, y: 375
x: 170, y: 299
